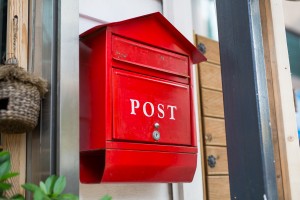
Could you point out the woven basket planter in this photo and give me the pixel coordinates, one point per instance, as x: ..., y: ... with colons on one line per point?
x: 20, y: 95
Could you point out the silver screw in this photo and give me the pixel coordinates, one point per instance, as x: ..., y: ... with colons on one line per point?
x: 156, y: 125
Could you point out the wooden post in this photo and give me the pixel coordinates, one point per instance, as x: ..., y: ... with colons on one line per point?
x: 277, y: 57
x: 16, y: 144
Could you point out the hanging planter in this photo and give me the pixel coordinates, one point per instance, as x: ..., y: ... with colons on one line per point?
x: 20, y: 95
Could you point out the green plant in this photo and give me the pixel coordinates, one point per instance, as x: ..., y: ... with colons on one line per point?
x: 51, y: 189
x: 5, y: 174
x: 106, y: 197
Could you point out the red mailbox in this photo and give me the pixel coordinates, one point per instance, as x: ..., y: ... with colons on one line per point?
x: 137, y: 119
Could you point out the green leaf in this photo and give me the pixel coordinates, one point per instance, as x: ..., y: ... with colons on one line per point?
x: 17, y: 197
x: 8, y: 175
x: 4, y: 168
x: 30, y: 187
x: 60, y: 185
x: 43, y: 187
x: 106, y: 197
x: 39, y: 195
x: 50, y: 182
x: 67, y: 197
x: 4, y: 156
x: 5, y: 186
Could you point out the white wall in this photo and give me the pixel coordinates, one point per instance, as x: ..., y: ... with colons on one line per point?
x: 291, y: 11
x: 205, y: 18
x: 94, y: 12
x: 126, y: 191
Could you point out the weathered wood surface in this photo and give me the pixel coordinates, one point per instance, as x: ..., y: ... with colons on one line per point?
x: 220, y: 154
x: 210, y: 75
x: 218, y: 187
x: 285, y: 138
x: 212, y: 49
x: 213, y: 136
x: 16, y: 144
x: 214, y: 131
x: 212, y: 103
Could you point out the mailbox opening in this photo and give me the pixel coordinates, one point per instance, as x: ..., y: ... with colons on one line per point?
x: 92, y: 164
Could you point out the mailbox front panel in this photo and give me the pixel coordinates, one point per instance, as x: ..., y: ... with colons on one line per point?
x: 150, y: 110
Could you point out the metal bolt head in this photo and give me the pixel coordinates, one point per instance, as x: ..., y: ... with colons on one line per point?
x: 156, y: 125
x: 202, y: 48
x: 156, y: 135
x: 211, y: 161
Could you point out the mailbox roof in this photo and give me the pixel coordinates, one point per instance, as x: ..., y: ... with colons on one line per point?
x: 153, y: 29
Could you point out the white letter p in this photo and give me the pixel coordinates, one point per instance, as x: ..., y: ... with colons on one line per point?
x: 134, y: 104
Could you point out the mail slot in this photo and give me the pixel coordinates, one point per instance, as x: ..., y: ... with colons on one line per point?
x: 137, y: 119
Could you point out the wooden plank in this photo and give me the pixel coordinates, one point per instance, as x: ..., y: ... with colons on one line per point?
x: 212, y: 49
x: 201, y: 127
x: 214, y: 131
x: 218, y: 187
x: 20, y: 9
x: 277, y: 58
x: 220, y: 154
x: 210, y: 76
x: 16, y: 144
x: 275, y: 138
x: 212, y: 103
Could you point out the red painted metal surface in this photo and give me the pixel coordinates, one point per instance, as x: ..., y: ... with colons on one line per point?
x: 143, y: 101
x: 149, y: 57
x: 137, y: 119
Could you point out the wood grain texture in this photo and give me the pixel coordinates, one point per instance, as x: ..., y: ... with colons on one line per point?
x: 220, y: 154
x: 212, y: 103
x: 20, y: 9
x: 212, y: 49
x: 214, y: 131
x: 213, y: 136
x: 218, y: 187
x: 201, y: 131
x: 273, y: 117
x: 210, y: 75
x: 285, y: 140
x: 16, y: 144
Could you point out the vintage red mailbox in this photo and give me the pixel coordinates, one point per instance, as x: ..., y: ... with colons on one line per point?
x: 137, y: 119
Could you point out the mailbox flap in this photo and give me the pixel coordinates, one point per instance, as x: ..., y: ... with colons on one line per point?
x: 149, y: 57
x: 150, y: 110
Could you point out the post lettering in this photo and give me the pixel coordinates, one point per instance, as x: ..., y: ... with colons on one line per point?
x: 172, y: 111
x: 161, y: 111
x: 134, y: 105
x: 149, y: 109
x: 145, y: 109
